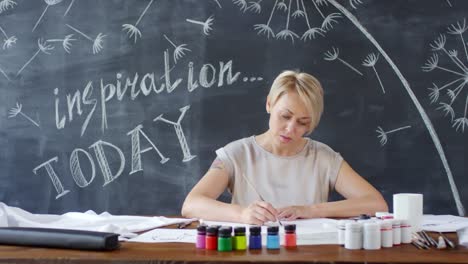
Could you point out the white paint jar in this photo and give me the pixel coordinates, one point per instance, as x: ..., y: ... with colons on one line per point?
x: 405, y: 231
x: 353, y: 235
x: 386, y: 233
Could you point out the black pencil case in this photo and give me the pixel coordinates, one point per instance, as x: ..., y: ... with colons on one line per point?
x: 59, y: 238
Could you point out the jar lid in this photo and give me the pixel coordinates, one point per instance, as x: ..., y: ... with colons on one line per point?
x: 239, y: 230
x: 225, y: 231
x: 201, y: 228
x: 291, y: 227
x: 255, y: 230
x: 212, y: 230
x: 273, y: 230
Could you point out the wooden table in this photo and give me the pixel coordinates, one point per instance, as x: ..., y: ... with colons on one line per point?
x: 182, y: 252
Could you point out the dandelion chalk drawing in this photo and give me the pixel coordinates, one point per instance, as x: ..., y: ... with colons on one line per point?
x: 285, y: 33
x: 4, y: 73
x: 69, y: 7
x: 42, y: 47
x: 206, y: 25
x: 255, y: 6
x: 457, y: 70
x: 383, y: 135
x: 370, y: 61
x: 97, y: 42
x: 49, y: 3
x: 17, y: 110
x: 6, y: 4
x: 7, y: 41
x: 179, y: 50
x: 333, y: 54
x: 427, y: 122
x: 66, y: 42
x: 132, y: 30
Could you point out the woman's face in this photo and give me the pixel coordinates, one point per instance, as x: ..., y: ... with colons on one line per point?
x: 289, y: 119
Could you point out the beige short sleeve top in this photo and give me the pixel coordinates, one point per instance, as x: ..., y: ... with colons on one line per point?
x: 303, y: 179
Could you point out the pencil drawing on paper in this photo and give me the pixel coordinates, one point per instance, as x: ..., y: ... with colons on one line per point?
x: 456, y: 68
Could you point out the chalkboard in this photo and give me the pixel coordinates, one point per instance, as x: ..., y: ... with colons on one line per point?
x: 119, y: 105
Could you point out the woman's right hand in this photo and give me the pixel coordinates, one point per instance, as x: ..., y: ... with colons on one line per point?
x: 259, y: 212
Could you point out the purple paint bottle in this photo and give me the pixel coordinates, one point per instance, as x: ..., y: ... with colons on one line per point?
x: 201, y: 236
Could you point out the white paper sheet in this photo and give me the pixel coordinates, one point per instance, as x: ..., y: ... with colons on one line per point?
x: 443, y: 223
x: 165, y: 235
x: 125, y: 225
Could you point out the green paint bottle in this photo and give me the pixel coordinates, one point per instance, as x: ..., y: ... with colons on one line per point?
x: 225, y: 239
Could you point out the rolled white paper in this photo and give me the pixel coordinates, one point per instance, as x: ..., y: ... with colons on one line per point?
x: 409, y: 206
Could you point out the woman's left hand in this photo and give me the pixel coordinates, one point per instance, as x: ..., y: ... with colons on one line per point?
x: 292, y: 212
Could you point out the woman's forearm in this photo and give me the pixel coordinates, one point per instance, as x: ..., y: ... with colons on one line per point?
x: 202, y: 207
x: 349, y: 207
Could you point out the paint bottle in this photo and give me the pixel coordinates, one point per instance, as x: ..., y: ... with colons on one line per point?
x: 255, y: 238
x: 273, y: 237
x: 290, y: 238
x: 371, y: 236
x: 211, y: 242
x: 341, y: 230
x: 353, y: 236
x: 386, y: 233
x: 396, y: 226
x: 201, y: 237
x: 225, y: 239
x: 239, y: 241
x: 405, y: 231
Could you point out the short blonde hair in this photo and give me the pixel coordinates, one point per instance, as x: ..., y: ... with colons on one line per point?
x: 307, y: 87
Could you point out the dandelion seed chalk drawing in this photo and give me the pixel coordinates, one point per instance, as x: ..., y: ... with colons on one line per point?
x: 97, y: 42
x: 66, y: 42
x: 370, y: 61
x: 206, y: 25
x: 179, y: 51
x: 7, y: 41
x: 298, y: 13
x: 6, y: 4
x: 132, y: 30
x: 42, y: 47
x: 414, y: 99
x: 285, y: 33
x: 458, y: 71
x: 69, y: 7
x: 17, y: 110
x: 4, y: 73
x: 383, y: 135
x: 49, y: 3
x: 333, y: 54
x: 255, y: 6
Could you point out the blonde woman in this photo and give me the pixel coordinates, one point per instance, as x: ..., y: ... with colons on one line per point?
x: 282, y: 174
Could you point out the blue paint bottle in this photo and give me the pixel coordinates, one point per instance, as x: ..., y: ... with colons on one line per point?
x: 273, y: 238
x: 255, y: 238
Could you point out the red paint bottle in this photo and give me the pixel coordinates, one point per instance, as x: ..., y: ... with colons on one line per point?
x: 290, y: 238
x: 211, y: 242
